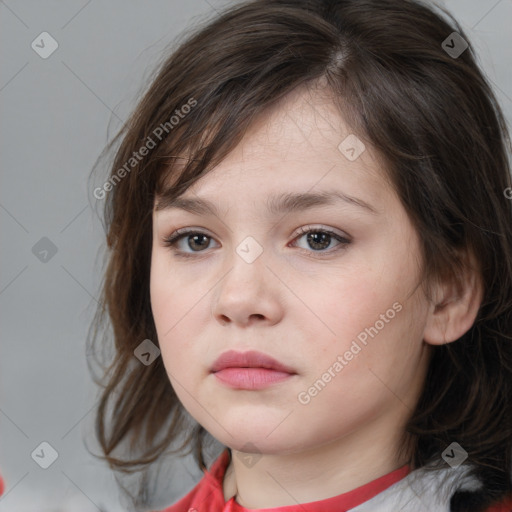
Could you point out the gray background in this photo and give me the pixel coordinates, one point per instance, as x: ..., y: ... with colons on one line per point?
x: 56, y: 116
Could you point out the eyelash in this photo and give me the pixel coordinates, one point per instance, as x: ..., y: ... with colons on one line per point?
x: 171, y: 240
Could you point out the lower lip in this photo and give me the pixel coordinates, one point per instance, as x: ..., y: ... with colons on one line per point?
x: 251, y: 378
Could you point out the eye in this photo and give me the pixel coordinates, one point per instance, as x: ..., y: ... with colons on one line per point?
x: 195, y: 240
x: 318, y: 240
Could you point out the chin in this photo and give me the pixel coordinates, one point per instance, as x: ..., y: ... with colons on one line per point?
x: 251, y: 439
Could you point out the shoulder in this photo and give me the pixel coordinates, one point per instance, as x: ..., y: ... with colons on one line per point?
x: 208, y: 491
x: 425, y: 490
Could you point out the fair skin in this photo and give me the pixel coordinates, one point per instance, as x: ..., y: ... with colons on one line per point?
x: 303, y: 304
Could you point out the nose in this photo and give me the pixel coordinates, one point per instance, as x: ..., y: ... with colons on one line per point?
x: 249, y: 293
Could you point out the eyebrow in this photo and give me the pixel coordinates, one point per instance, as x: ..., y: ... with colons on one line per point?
x: 276, y: 204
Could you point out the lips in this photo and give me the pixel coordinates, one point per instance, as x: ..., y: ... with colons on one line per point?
x: 251, y: 371
x: 251, y: 359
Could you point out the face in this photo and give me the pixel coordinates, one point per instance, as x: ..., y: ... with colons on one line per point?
x: 328, y: 288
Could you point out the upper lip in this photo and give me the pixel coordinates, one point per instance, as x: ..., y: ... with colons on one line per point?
x: 250, y: 359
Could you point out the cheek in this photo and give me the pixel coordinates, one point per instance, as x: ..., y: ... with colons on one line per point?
x: 172, y: 295
x: 167, y: 303
x: 366, y: 313
x: 176, y: 305
x: 342, y: 305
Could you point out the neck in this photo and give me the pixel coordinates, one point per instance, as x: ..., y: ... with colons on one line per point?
x: 278, y: 480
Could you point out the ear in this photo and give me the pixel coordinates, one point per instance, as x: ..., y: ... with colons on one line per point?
x: 455, y: 306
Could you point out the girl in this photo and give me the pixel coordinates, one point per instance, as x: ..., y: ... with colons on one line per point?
x: 311, y: 258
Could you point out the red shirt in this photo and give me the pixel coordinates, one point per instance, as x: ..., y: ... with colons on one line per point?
x: 208, y: 495
x: 209, y: 492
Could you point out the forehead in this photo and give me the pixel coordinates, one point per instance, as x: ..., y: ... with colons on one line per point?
x: 302, y: 143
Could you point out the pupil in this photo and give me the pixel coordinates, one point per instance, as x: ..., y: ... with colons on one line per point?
x: 311, y: 240
x: 194, y: 237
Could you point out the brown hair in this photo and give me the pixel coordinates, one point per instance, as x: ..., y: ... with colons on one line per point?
x: 435, y: 121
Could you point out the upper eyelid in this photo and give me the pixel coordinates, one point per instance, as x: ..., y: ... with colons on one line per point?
x: 297, y: 231
x: 180, y: 233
